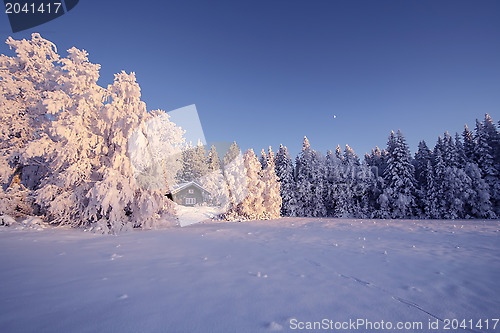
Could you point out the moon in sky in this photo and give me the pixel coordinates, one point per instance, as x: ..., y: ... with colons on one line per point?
x: 334, y: 116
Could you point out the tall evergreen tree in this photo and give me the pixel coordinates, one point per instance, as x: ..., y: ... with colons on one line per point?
x: 213, y: 160
x: 304, y: 186
x: 399, y: 177
x: 430, y: 197
x: 285, y: 172
x: 333, y: 166
x: 317, y: 179
x: 252, y: 206
x: 235, y: 177
x: 272, y: 197
x: 487, y: 139
x: 263, y: 158
x: 422, y: 158
x: 214, y: 181
x: 469, y: 144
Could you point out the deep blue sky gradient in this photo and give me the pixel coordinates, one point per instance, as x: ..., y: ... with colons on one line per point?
x: 269, y: 72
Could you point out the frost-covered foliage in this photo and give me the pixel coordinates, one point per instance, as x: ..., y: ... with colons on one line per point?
x: 214, y: 180
x: 235, y: 178
x: 155, y: 150
x: 65, y: 141
x: 271, y: 194
x: 261, y: 190
x: 194, y: 163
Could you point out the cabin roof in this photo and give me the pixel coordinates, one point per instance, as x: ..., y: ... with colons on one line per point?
x: 182, y: 186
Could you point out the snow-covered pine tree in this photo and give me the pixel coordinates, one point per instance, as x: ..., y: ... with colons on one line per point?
x: 214, y: 180
x: 304, y: 186
x: 469, y: 144
x: 285, y: 172
x: 454, y: 181
x: 460, y: 152
x: 487, y: 145
x: 317, y: 180
x: 252, y: 206
x: 194, y: 163
x: 376, y: 160
x: 272, y: 198
x: 333, y: 166
x: 263, y: 158
x: 366, y: 191
x: 439, y: 171
x: 200, y: 160
x: 422, y: 158
x: 430, y: 199
x: 236, y: 180
x: 345, y: 204
x: 350, y: 157
x: 231, y: 154
x: 213, y: 160
x: 187, y: 171
x: 399, y: 177
x: 477, y: 203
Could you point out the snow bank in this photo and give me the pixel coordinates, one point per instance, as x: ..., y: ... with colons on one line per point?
x: 258, y: 276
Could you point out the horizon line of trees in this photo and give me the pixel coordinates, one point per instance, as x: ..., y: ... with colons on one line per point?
x: 458, y: 179
x: 78, y: 154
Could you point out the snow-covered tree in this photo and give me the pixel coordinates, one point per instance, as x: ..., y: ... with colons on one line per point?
x: 469, y: 144
x: 24, y: 81
x: 272, y: 198
x: 263, y: 159
x: 236, y: 180
x: 345, y: 187
x: 285, y: 172
x: 317, y: 179
x: 164, y: 145
x: 486, y: 150
x: 194, y: 163
x: 262, y: 197
x: 331, y: 179
x: 213, y: 160
x: 399, y: 177
x: 73, y: 154
x: 430, y: 199
x: 477, y: 203
x: 115, y: 202
x: 304, y: 187
x: 252, y: 206
x: 422, y: 157
x: 214, y: 180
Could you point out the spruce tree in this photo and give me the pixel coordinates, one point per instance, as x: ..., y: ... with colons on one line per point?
x: 285, y: 172
x: 487, y: 139
x: 399, y: 177
x: 469, y: 144
x: 304, y: 186
x: 272, y: 197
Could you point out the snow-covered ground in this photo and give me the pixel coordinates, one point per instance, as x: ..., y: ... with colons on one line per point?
x: 251, y: 277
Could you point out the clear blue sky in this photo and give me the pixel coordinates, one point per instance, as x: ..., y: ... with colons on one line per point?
x: 269, y: 72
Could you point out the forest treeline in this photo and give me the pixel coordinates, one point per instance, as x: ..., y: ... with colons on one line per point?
x: 75, y: 153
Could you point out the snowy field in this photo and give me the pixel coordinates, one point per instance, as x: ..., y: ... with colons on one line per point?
x: 252, y: 277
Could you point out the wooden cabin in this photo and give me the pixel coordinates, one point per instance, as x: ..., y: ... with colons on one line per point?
x: 189, y: 194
